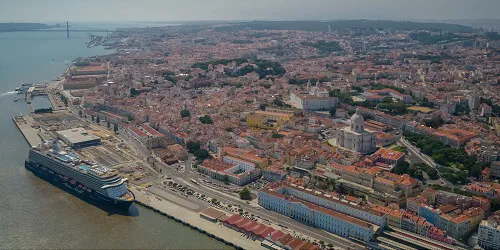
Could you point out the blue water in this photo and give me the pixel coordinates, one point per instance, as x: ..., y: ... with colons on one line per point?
x: 35, y: 214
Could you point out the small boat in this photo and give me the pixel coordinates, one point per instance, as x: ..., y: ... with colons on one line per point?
x: 15, y: 99
x: 18, y: 89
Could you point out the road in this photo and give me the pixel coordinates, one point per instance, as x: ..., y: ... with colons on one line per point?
x: 415, y: 151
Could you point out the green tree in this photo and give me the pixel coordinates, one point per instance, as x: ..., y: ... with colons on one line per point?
x: 115, y: 128
x: 225, y: 179
x: 108, y: 124
x: 93, y: 118
x: 245, y: 194
x: 185, y: 113
x: 193, y: 146
x: 134, y: 92
x: 333, y: 111
x: 263, y: 106
x: 206, y: 119
x: 98, y: 120
x: 80, y: 113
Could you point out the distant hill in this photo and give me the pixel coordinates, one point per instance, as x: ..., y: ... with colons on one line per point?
x: 346, y: 24
x: 6, y: 27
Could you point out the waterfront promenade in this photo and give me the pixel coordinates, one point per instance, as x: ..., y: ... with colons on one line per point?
x: 193, y: 218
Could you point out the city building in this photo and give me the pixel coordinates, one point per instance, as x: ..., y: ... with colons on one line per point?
x: 317, y: 198
x: 278, y: 199
x: 266, y: 119
x: 378, y: 95
x: 273, y: 174
x: 489, y: 232
x: 456, y: 222
x: 78, y: 138
x: 247, y: 155
x: 112, y: 117
x: 495, y: 169
x: 233, y: 170
x: 474, y: 101
x: 355, y: 137
x: 148, y: 136
x: 455, y: 138
x: 313, y: 99
x: 96, y: 69
x: 378, y: 185
x: 385, y: 158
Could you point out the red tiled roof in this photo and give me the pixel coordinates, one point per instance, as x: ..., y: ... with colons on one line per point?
x: 150, y: 130
x: 138, y: 132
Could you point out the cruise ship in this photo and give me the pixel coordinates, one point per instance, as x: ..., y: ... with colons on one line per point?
x: 83, y: 178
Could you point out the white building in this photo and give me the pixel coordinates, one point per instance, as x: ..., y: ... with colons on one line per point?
x: 489, y: 233
x: 355, y: 137
x: 312, y: 99
x: 339, y: 217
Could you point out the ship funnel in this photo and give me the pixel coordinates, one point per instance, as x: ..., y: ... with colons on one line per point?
x: 55, y: 145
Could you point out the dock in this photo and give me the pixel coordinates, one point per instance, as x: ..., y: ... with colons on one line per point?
x: 29, y: 133
x: 193, y: 220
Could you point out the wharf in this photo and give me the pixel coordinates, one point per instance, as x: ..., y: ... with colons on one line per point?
x: 29, y: 133
x: 193, y: 220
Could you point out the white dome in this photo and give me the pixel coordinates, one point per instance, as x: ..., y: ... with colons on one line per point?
x: 357, y: 119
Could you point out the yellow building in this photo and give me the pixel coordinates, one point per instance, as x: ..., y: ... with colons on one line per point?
x: 267, y: 120
x: 495, y: 122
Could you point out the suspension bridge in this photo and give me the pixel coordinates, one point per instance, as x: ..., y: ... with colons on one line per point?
x: 67, y: 27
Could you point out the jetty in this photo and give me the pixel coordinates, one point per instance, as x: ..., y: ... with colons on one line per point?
x: 29, y: 132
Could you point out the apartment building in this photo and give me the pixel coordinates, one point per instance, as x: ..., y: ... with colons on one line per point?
x: 489, y: 232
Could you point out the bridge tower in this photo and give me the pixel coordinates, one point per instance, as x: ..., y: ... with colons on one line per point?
x: 67, y: 29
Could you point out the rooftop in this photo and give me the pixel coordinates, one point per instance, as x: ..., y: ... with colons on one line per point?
x: 77, y: 135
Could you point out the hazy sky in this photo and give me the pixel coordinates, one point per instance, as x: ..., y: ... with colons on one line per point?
x: 185, y: 10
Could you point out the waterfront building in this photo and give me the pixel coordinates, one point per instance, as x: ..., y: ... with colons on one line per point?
x: 97, y: 69
x: 78, y: 138
x: 303, y: 206
x: 355, y: 137
x: 327, y: 201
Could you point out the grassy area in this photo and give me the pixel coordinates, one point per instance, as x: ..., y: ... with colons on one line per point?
x: 400, y: 149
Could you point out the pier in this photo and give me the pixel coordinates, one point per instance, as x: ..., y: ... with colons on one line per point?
x: 26, y: 128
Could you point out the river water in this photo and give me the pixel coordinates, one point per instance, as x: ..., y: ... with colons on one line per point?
x: 35, y: 214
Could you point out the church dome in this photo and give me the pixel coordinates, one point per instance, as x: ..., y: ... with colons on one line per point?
x: 357, y: 119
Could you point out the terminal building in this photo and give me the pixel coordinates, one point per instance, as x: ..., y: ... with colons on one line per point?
x: 78, y: 138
